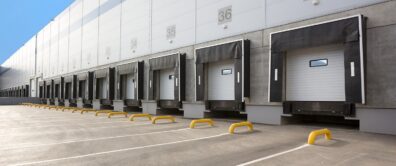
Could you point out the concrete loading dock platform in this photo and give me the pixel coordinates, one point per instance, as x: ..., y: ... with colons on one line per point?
x: 36, y: 136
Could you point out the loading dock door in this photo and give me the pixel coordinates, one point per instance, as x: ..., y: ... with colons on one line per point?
x: 315, y: 74
x: 167, y: 84
x: 130, y: 86
x: 102, y: 88
x: 81, y: 88
x: 221, y: 80
x: 68, y: 93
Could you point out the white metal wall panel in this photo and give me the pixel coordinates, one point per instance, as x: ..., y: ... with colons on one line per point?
x: 135, y: 28
x: 54, y: 56
x: 130, y: 87
x: 39, y: 55
x: 285, y: 11
x: 75, y: 33
x: 31, y: 56
x: 90, y: 33
x: 324, y: 83
x: 221, y: 87
x: 109, y: 31
x: 46, y: 51
x: 242, y: 16
x: 63, y: 42
x: 167, y: 89
x: 173, y: 24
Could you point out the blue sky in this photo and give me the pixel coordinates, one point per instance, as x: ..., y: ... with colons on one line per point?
x: 20, y: 20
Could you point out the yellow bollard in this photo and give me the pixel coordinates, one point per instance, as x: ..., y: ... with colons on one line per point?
x: 171, y: 118
x: 240, y: 124
x: 68, y: 108
x: 102, y: 112
x: 312, y: 136
x: 193, y: 122
x: 77, y: 109
x: 87, y: 110
x: 139, y: 115
x: 110, y: 114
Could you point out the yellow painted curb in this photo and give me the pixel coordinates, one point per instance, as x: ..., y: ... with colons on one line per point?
x: 139, y: 115
x: 312, y: 136
x: 171, y: 118
x: 109, y: 115
x: 240, y: 124
x: 102, y: 112
x: 193, y: 122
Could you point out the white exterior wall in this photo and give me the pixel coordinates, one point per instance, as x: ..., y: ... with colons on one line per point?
x: 179, y: 14
x: 46, y: 51
x: 90, y: 34
x: 109, y: 31
x: 39, y: 53
x: 122, y: 22
x: 75, y: 36
x: 245, y: 17
x: 135, y: 28
x: 54, y: 48
x: 286, y: 11
x: 31, y: 57
x: 63, y: 42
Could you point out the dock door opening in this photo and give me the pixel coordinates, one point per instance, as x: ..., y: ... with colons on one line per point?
x: 68, y: 90
x: 167, y: 80
x: 127, y: 86
x: 104, y: 85
x: 319, y: 69
x: 129, y: 80
x: 101, y: 88
x: 223, y: 75
x: 82, y: 88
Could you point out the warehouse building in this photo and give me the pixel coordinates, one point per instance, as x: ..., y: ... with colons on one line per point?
x: 273, y: 60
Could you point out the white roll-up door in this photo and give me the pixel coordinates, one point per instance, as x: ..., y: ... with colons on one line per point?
x: 101, y: 82
x: 32, y: 88
x: 130, y: 86
x: 316, y: 74
x: 221, y: 80
x: 167, y: 91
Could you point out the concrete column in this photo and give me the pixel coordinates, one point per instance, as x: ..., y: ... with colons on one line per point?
x: 194, y: 109
x: 118, y: 105
x: 150, y: 107
x: 96, y: 104
x: 264, y: 114
x: 377, y: 120
x: 67, y: 103
x: 80, y: 103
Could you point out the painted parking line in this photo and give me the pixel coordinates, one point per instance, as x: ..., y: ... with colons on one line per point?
x: 92, y: 139
x: 28, y: 121
x: 274, y: 155
x: 100, y: 127
x: 66, y: 125
x: 34, y: 118
x: 121, y: 150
